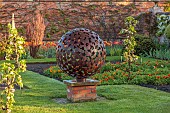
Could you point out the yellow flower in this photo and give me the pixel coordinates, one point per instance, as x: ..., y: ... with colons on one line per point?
x: 51, y: 70
x: 59, y: 71
x: 54, y: 71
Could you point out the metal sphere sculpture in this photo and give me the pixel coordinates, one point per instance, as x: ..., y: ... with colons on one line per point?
x: 80, y: 53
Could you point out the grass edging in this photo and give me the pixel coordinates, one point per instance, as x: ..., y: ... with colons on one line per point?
x: 121, y: 98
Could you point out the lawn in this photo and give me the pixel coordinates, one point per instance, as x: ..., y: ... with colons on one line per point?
x: 37, y: 98
x: 45, y: 60
x: 108, y: 58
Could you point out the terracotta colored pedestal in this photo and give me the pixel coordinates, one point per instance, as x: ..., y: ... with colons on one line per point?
x: 81, y: 91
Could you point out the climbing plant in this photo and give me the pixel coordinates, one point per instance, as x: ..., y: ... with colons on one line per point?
x: 130, y: 42
x: 10, y: 76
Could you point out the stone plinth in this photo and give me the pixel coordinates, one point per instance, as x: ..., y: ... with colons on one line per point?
x: 81, y: 91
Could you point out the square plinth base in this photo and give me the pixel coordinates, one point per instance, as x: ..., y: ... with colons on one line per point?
x: 81, y: 91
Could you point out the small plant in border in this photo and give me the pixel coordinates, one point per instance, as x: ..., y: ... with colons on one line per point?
x: 130, y: 42
x: 163, y: 21
x: 10, y: 72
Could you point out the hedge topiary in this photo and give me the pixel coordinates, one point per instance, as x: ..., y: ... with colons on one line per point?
x: 144, y: 44
x: 167, y: 32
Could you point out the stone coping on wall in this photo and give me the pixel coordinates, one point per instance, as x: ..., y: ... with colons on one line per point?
x: 88, y: 82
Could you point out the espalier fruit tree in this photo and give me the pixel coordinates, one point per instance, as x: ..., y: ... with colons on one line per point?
x: 129, y: 42
x: 10, y: 70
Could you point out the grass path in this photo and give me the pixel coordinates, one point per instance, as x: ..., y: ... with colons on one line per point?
x: 120, y: 98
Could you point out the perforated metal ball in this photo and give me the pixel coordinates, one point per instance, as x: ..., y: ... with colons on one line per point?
x: 80, y: 53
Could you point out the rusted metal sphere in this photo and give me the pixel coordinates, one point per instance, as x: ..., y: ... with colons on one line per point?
x: 80, y: 53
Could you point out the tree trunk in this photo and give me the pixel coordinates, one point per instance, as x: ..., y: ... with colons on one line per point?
x: 34, y: 51
x: 129, y: 69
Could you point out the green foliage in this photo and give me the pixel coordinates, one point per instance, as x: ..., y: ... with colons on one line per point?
x: 106, y: 67
x: 163, y: 54
x: 10, y: 73
x: 21, y: 31
x: 93, y: 7
x: 115, y: 50
x: 156, y: 73
x: 67, y: 20
x: 160, y: 46
x: 47, y: 53
x: 112, y: 51
x: 108, y: 50
x: 56, y: 72
x: 51, y: 30
x: 167, y: 32
x: 27, y: 54
x: 130, y: 42
x: 162, y: 21
x: 46, y: 50
x: 143, y: 44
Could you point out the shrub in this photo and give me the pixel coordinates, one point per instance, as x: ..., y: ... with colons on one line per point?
x: 163, y: 54
x: 115, y: 50
x: 163, y: 21
x: 167, y: 32
x: 27, y: 53
x: 56, y: 72
x: 144, y: 44
x: 108, y: 48
x: 107, y: 67
x: 47, y: 52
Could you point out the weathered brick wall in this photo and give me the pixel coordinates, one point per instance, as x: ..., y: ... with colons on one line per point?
x: 23, y: 12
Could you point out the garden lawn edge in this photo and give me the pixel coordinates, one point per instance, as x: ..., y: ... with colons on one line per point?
x: 119, y: 98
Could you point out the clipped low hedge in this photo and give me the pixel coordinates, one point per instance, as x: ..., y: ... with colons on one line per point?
x: 144, y: 44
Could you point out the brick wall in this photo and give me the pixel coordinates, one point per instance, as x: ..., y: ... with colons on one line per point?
x: 26, y: 12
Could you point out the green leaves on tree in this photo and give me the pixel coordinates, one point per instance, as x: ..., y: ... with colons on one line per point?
x: 10, y: 72
x: 129, y: 42
x: 162, y: 21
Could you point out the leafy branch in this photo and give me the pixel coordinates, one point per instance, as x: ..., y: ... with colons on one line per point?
x: 130, y: 42
x: 10, y: 72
